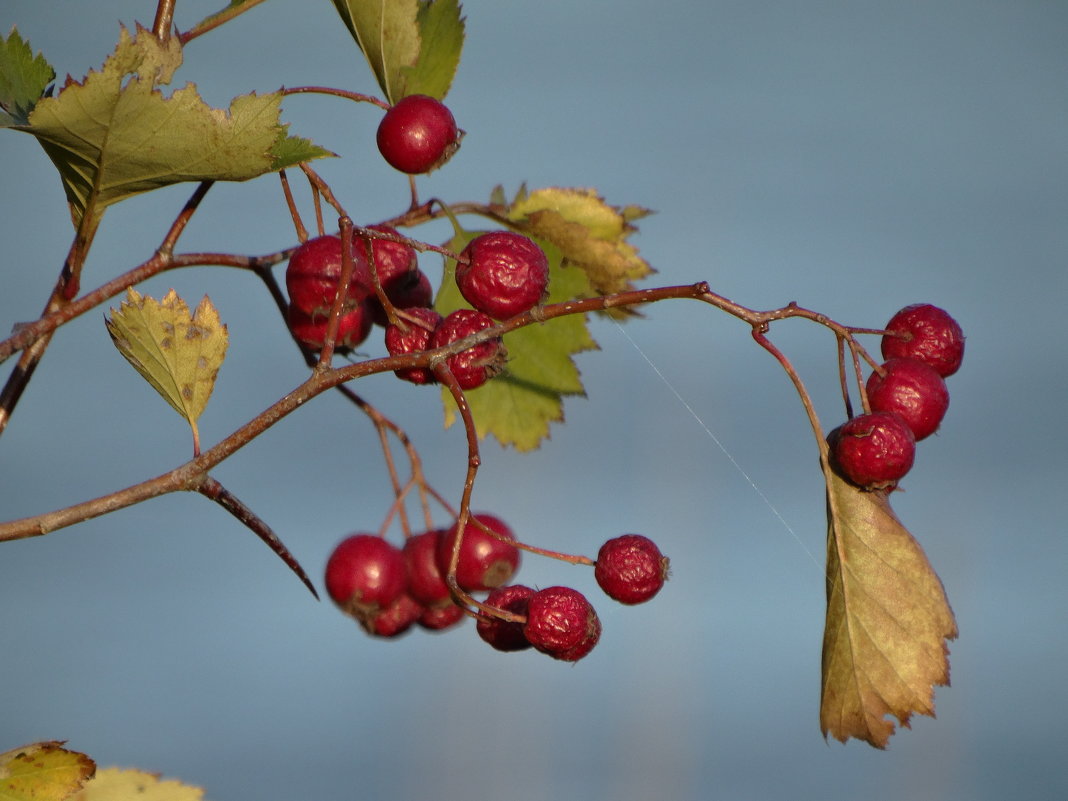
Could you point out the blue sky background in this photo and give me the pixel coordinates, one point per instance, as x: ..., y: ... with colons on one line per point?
x: 852, y: 156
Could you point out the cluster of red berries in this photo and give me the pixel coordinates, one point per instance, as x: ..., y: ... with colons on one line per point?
x: 390, y: 589
x: 907, y: 395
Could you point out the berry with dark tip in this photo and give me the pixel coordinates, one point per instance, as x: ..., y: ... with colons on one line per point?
x: 502, y: 274
x: 417, y: 134
x: 314, y: 271
x: 931, y: 335
x: 364, y: 575
x: 485, y: 561
x: 912, y: 389
x: 505, y: 635
x: 631, y: 569
x: 562, y: 623
x: 874, y: 451
x: 395, y: 619
x: 414, y: 338
x: 478, y: 364
x: 352, y: 329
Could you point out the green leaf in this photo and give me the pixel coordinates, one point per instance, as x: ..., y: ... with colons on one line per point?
x: 412, y: 46
x: 179, y: 354
x: 888, y: 619
x: 43, y: 772
x: 24, y: 79
x: 517, y: 406
x: 590, y: 234
x: 114, y: 135
x: 441, y: 34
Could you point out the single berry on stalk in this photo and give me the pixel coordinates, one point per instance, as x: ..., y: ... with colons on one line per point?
x: 505, y: 635
x: 485, y: 561
x: 912, y: 389
x: 314, y: 271
x: 417, y: 134
x: 478, y: 364
x: 932, y: 336
x: 352, y: 328
x: 416, y: 337
x: 631, y: 569
x: 502, y: 274
x: 874, y: 451
x: 365, y: 574
x: 561, y: 623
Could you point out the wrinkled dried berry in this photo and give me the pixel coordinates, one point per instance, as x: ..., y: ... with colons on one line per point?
x: 506, y: 635
x: 401, y: 341
x: 502, y: 274
x: 562, y: 623
x: 630, y: 568
x: 933, y: 336
x: 912, y: 389
x: 478, y: 364
x: 874, y: 451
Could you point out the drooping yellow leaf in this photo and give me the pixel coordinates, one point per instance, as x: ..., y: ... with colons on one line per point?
x: 43, y: 772
x: 590, y: 234
x: 177, y: 353
x: 117, y: 784
x: 888, y: 620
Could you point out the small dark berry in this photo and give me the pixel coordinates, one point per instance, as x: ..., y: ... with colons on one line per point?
x: 562, y: 623
x: 874, y: 451
x: 441, y: 616
x: 933, y: 336
x: 401, y: 341
x: 417, y: 134
x: 476, y: 365
x: 505, y: 635
x: 914, y: 390
x: 485, y: 561
x: 631, y: 569
x: 502, y: 274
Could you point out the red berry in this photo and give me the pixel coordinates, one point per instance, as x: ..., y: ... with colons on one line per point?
x: 395, y: 619
x: 441, y: 616
x: 315, y: 269
x: 502, y: 274
x: 562, y: 623
x: 932, y: 336
x: 485, y: 561
x: 364, y: 575
x: 914, y: 390
x: 476, y: 365
x: 631, y: 569
x: 417, y: 134
x: 310, y: 331
x: 874, y: 451
x: 505, y: 635
x: 416, y: 338
x: 425, y: 582
x: 397, y: 267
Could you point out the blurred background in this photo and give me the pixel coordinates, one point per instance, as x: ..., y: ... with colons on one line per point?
x: 852, y: 156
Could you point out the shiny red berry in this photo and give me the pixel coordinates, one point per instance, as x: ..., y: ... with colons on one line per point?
x: 397, y: 267
x: 413, y: 337
x: 310, y: 331
x: 485, y: 561
x: 478, y: 364
x: 314, y: 271
x: 502, y: 274
x: 364, y: 575
x: 562, y: 623
x: 417, y: 134
x: 631, y: 569
x: 929, y: 334
x: 505, y: 635
x: 874, y: 451
x: 425, y: 581
x: 912, y: 389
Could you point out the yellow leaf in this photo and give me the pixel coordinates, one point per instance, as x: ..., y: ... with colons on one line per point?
x: 42, y: 772
x: 888, y: 619
x: 116, y: 784
x: 177, y: 353
x: 589, y: 233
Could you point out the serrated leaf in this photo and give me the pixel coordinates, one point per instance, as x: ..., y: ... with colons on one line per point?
x: 178, y: 353
x: 888, y: 620
x: 117, y: 784
x: 441, y: 40
x: 43, y: 772
x: 387, y: 31
x: 590, y: 234
x: 24, y: 79
x: 518, y: 406
x: 115, y: 135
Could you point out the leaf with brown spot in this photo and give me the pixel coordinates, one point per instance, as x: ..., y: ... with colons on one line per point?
x: 888, y: 620
x: 178, y: 353
x: 43, y: 772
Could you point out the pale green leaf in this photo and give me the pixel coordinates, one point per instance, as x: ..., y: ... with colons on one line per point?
x: 888, y: 619
x: 517, y: 406
x: 441, y: 37
x: 43, y: 772
x: 178, y: 353
x: 24, y: 79
x: 387, y: 31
